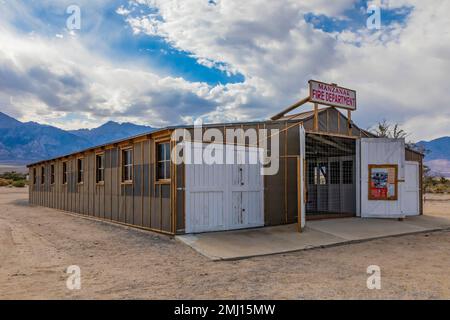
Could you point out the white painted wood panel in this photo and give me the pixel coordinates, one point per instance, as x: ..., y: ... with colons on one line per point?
x: 410, y: 196
x: 224, y: 196
x: 381, y: 151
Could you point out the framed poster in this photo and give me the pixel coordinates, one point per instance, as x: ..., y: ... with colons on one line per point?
x: 383, y: 182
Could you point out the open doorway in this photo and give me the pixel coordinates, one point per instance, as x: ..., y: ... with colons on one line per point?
x: 330, y: 176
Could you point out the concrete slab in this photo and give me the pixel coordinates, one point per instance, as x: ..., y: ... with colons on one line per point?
x: 429, y: 221
x: 352, y: 229
x: 239, y: 244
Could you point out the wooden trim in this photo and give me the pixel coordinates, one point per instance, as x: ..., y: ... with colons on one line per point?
x: 62, y: 170
x: 290, y: 108
x: 42, y: 182
x: 373, y: 166
x: 122, y: 181
x: 285, y: 174
x: 332, y: 134
x: 299, y: 196
x: 338, y: 121
x: 173, y: 193
x: 316, y: 117
x: 349, y: 123
x: 163, y: 181
x: 99, y: 153
x: 142, y: 182
x: 155, y: 166
x: 54, y: 174
x: 162, y: 134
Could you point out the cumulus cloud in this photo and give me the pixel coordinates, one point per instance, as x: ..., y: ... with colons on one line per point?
x: 43, y: 79
x: 400, y: 72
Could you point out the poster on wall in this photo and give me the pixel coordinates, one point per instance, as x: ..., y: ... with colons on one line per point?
x: 383, y: 182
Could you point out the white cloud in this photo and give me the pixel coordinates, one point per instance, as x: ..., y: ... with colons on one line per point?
x: 47, y: 80
x: 400, y: 73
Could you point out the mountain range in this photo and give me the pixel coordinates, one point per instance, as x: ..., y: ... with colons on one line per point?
x: 24, y: 142
x: 437, y: 155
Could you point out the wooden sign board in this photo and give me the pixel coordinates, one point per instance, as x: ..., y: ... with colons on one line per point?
x: 332, y: 95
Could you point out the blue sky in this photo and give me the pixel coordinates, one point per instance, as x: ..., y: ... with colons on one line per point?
x: 168, y: 62
x: 155, y: 51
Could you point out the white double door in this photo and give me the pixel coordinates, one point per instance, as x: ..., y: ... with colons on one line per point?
x: 224, y: 196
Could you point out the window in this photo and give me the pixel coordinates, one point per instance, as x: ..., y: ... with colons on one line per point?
x: 347, y: 172
x: 311, y: 173
x: 322, y: 174
x: 42, y: 175
x: 163, y: 161
x: 100, y: 167
x: 127, y: 165
x: 335, y: 172
x: 80, y: 170
x: 64, y: 172
x: 34, y: 176
x: 52, y: 174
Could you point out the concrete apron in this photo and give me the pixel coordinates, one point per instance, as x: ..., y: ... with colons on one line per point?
x: 241, y: 244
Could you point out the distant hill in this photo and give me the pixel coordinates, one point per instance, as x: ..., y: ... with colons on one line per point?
x: 24, y: 142
x: 111, y: 131
x: 438, y: 155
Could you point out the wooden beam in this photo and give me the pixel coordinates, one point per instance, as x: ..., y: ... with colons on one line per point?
x: 299, y: 195
x: 316, y: 117
x: 290, y: 108
x: 349, y: 122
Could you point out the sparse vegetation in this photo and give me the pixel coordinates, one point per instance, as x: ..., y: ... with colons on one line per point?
x: 431, y: 182
x: 13, y: 179
x: 19, y: 184
x: 385, y: 129
x: 434, y: 184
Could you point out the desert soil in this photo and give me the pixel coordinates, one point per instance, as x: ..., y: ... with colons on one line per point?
x: 38, y: 244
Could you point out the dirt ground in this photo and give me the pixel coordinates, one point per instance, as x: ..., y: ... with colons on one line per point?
x: 38, y: 244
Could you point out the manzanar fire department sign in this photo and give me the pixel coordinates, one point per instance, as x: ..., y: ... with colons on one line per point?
x: 332, y: 95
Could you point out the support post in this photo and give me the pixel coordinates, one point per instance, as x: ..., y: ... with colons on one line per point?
x: 316, y: 117
x: 299, y: 196
x: 349, y: 122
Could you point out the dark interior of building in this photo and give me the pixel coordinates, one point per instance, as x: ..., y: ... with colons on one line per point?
x: 330, y: 176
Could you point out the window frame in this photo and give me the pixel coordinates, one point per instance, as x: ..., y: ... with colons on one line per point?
x: 98, y: 169
x: 52, y: 174
x: 123, y: 165
x: 80, y: 173
x: 43, y: 174
x: 165, y: 179
x: 65, y: 173
x: 34, y: 176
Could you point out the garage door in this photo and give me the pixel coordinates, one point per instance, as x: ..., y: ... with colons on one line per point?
x: 224, y: 196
